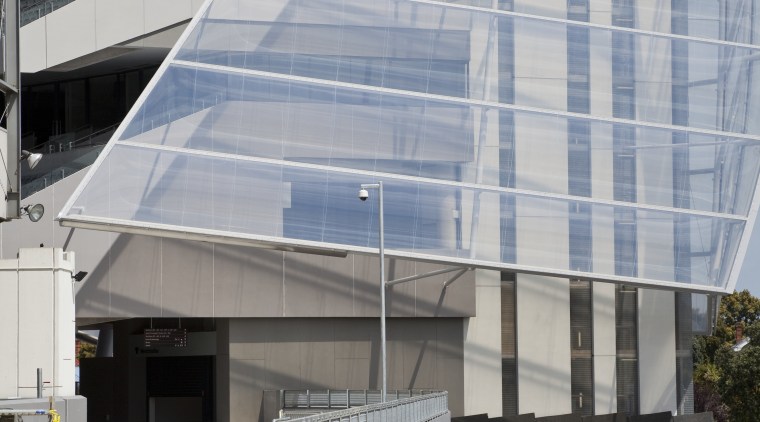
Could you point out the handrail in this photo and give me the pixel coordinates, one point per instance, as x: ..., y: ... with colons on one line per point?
x: 18, y: 414
x: 30, y: 186
x: 414, y: 409
x: 341, y: 398
x: 76, y: 143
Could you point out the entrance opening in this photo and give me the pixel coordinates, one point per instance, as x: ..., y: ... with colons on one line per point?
x: 180, y: 389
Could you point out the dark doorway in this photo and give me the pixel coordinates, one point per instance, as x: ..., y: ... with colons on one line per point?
x: 180, y: 389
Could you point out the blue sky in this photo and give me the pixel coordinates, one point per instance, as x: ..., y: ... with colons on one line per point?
x: 749, y: 278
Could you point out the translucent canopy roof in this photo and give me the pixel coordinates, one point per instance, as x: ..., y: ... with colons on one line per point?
x: 504, y: 141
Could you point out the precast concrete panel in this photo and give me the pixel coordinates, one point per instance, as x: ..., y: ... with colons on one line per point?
x: 9, y: 305
x: 167, y: 12
x: 39, y: 314
x: 482, y: 348
x: 543, y: 345
x: 33, y: 42
x: 657, y: 352
x: 605, y: 352
x: 66, y: 41
x: 119, y: 20
x: 36, y: 336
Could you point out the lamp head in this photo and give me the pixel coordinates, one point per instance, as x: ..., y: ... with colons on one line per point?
x: 31, y: 158
x: 35, y: 212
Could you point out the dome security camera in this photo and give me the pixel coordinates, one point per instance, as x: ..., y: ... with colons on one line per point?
x: 363, y: 194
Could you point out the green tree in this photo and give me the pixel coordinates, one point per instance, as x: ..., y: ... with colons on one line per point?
x: 739, y: 308
x: 86, y: 350
x: 739, y: 382
x: 727, y: 382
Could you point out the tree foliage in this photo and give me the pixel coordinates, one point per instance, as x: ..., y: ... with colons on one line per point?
x: 727, y: 382
x: 739, y: 383
x: 738, y: 308
x: 86, y: 350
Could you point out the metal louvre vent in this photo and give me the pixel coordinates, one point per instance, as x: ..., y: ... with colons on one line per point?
x: 508, y: 346
x: 626, y: 327
x: 581, y: 348
x: 684, y: 359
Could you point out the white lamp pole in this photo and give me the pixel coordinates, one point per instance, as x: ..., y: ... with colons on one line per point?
x: 363, y: 196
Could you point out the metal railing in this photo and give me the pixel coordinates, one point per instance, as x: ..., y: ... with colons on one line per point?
x: 67, y: 141
x: 41, y: 181
x: 79, y: 154
x: 422, y: 408
x: 21, y: 415
x: 36, y: 11
x: 331, y: 399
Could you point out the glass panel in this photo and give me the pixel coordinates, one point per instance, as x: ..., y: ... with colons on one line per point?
x: 726, y: 20
x: 365, y: 130
x: 438, y: 221
x: 701, y: 314
x: 272, y: 113
x: 434, y: 49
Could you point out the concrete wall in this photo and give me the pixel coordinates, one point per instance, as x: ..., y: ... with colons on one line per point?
x: 258, y: 354
x: 37, y: 312
x: 181, y: 278
x: 273, y: 354
x: 85, y: 27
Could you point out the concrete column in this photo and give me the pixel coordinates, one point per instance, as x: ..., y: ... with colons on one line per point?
x: 37, y: 311
x: 482, y: 348
x: 543, y: 303
x: 482, y: 333
x: 657, y: 352
x: 605, y: 349
x: 543, y: 345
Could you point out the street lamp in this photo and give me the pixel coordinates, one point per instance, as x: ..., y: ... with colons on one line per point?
x: 363, y: 195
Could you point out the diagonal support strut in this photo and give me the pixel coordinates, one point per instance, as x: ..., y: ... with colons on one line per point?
x: 459, y: 271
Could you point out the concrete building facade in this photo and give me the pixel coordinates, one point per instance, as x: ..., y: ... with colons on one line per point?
x: 592, y: 164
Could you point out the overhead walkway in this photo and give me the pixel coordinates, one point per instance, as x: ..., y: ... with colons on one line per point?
x: 109, y: 31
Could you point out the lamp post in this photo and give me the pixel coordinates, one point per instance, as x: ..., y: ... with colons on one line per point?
x: 363, y: 195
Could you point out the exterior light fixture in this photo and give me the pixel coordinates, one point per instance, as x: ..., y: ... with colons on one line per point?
x: 35, y: 212
x: 31, y: 158
x: 363, y: 195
